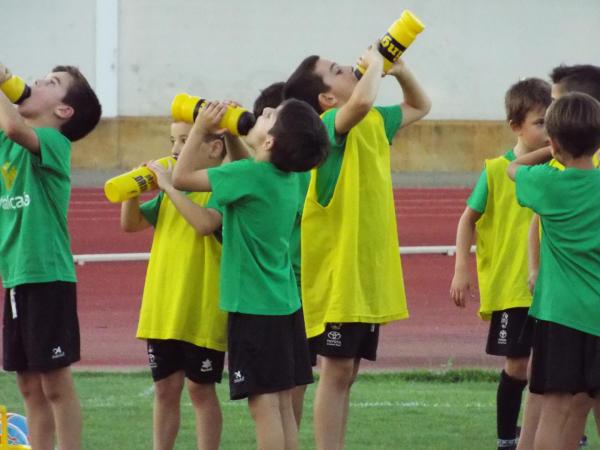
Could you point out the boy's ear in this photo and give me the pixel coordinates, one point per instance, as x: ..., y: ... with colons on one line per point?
x: 554, y: 148
x: 327, y: 100
x: 64, y: 112
x: 269, y: 143
x: 515, y: 127
x: 216, y: 149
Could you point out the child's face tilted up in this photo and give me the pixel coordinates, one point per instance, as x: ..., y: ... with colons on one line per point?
x: 259, y: 138
x: 47, y: 96
x: 340, y: 79
x: 179, y: 134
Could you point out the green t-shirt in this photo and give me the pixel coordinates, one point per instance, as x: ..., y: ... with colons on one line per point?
x: 260, y: 205
x: 329, y: 172
x: 151, y: 208
x: 478, y: 199
x: 34, y: 199
x: 568, y: 286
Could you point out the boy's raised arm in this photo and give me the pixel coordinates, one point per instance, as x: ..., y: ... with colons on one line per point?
x: 529, y: 159
x: 363, y: 97
x: 131, y: 218
x: 11, y: 121
x: 187, y: 175
x: 416, y: 102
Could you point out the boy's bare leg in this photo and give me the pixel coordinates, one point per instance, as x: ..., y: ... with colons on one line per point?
x: 288, y: 420
x: 597, y: 413
x: 167, y: 398
x: 266, y: 414
x: 209, y: 420
x: 40, y: 419
x: 575, y: 427
x: 531, y: 419
x: 331, y: 401
x: 298, y: 402
x: 555, y: 410
x: 347, y: 404
x: 59, y: 390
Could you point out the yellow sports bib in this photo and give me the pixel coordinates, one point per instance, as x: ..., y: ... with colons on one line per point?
x: 351, y: 270
x: 181, y: 294
x: 502, y: 234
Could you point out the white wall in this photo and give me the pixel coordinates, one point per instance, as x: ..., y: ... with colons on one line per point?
x: 469, y: 54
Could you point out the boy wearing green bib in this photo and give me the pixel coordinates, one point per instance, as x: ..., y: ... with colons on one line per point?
x: 180, y: 317
x: 257, y: 201
x: 41, y: 329
x: 501, y: 227
x: 566, y: 302
x: 351, y: 270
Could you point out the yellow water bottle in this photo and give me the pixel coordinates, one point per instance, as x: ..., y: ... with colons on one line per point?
x: 237, y: 120
x: 133, y: 183
x: 15, y: 89
x: 397, y: 39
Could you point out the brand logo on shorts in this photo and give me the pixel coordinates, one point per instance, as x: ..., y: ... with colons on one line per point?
x: 57, y: 353
x: 335, y: 326
x: 206, y: 366
x: 502, y: 337
x: 238, y: 377
x: 334, y: 339
x: 504, y: 320
x: 152, y: 360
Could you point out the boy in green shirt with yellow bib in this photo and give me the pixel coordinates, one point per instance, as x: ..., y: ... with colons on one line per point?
x: 351, y: 270
x: 41, y: 328
x: 501, y: 226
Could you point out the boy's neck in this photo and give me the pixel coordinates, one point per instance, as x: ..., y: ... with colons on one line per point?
x: 42, y: 122
x: 582, y: 163
x: 521, y: 149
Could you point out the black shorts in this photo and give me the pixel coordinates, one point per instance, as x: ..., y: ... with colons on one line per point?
x: 564, y: 360
x: 40, y: 327
x: 507, y: 336
x: 200, y: 364
x: 348, y: 340
x: 267, y: 354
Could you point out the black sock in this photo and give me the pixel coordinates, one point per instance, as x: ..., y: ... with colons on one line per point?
x: 508, y: 405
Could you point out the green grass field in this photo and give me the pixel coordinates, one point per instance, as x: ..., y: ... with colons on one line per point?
x: 409, y: 410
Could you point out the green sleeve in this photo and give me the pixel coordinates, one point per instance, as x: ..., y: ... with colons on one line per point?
x: 392, y: 120
x: 534, y: 185
x: 478, y: 198
x: 232, y: 181
x: 336, y: 141
x: 212, y: 204
x: 150, y: 209
x: 55, y: 151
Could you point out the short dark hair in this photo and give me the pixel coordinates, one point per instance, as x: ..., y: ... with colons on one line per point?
x: 579, y: 78
x: 525, y: 96
x: 305, y: 84
x: 301, y: 141
x: 573, y: 121
x: 270, y: 97
x: 82, y: 98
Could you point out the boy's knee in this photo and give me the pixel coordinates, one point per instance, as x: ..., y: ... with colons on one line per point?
x: 169, y: 389
x: 338, y: 371
x: 30, y: 386
x: 516, y: 368
x: 201, y: 392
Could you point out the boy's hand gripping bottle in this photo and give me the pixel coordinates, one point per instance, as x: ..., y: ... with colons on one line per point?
x: 133, y: 183
x: 237, y: 120
x: 397, y: 39
x: 13, y: 86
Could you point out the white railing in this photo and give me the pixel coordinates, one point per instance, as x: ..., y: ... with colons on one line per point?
x: 449, y: 250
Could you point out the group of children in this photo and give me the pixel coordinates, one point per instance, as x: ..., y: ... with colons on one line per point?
x: 282, y: 246
x: 543, y: 223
